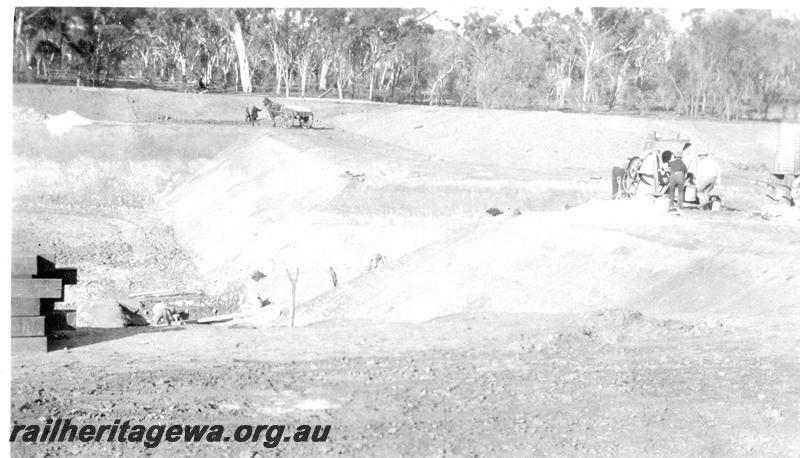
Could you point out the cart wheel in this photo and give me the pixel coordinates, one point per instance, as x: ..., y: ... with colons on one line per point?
x: 287, y: 120
x: 630, y: 184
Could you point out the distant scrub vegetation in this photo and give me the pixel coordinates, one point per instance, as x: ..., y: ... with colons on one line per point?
x: 726, y: 64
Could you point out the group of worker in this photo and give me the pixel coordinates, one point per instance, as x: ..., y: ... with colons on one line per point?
x: 703, y: 172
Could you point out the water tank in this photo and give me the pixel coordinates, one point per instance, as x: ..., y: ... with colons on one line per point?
x: 787, y: 160
x: 690, y: 193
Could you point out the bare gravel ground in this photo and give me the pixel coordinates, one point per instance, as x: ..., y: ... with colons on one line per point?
x: 609, y: 383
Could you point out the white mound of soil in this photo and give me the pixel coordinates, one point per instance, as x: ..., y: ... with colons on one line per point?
x: 107, y: 313
x: 63, y: 123
x: 256, y: 207
x: 605, y: 254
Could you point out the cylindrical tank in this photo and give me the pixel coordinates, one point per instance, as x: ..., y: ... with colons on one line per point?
x: 716, y: 203
x: 787, y: 159
x: 690, y: 193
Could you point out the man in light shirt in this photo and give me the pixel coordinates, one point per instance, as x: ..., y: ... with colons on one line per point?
x: 705, y: 173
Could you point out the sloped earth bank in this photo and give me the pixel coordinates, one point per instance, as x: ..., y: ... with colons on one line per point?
x: 274, y: 206
x: 662, y: 335
x: 597, y: 255
x: 389, y: 180
x: 88, y: 196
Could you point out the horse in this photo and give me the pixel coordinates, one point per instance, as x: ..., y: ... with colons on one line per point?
x: 273, y: 108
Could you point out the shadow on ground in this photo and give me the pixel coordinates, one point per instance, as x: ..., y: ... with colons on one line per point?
x: 90, y: 336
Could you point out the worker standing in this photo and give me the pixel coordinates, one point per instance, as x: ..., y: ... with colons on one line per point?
x: 677, y: 180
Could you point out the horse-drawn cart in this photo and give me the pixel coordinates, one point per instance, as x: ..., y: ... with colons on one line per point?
x: 285, y: 115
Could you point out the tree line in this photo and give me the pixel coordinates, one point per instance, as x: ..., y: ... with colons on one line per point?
x: 726, y: 64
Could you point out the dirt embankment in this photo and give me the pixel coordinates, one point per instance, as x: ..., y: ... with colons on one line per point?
x: 597, y: 256
x: 371, y: 179
x: 333, y: 201
x: 87, y: 194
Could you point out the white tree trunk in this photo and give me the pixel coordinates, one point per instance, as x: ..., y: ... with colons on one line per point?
x: 18, y: 41
x: 589, y: 53
x: 244, y: 67
x: 278, y: 77
x: 28, y: 54
x: 382, y: 82
x: 145, y: 58
x: 323, y: 74
x: 304, y: 76
x: 587, y: 77
x: 371, y: 82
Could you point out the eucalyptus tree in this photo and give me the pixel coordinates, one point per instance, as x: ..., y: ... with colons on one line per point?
x: 560, y: 52
x: 636, y: 39
x: 235, y: 22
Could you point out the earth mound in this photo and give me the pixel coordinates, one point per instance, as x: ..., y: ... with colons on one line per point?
x: 63, y: 123
x: 596, y: 256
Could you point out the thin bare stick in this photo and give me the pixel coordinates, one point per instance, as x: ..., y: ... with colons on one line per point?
x: 334, y: 278
x: 293, y: 281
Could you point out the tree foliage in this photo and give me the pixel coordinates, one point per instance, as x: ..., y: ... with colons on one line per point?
x: 728, y: 64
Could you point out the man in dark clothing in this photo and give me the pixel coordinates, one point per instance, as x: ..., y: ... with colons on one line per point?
x: 251, y: 115
x: 254, y: 114
x: 677, y: 179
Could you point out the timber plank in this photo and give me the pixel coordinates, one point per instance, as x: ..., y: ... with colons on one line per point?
x: 51, y: 288
x: 25, y: 266
x: 27, y: 326
x: 26, y: 306
x: 28, y: 345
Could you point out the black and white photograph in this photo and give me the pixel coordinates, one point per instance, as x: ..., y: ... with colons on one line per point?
x: 383, y: 230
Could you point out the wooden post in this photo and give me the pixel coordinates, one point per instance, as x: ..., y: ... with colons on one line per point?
x: 293, y: 281
x: 656, y: 173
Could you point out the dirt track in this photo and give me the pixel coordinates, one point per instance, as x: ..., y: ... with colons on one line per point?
x: 710, y: 369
